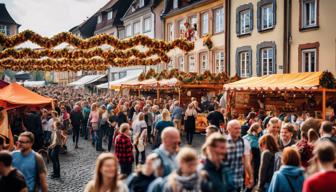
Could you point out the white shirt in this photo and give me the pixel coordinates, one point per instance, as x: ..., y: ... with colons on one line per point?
x: 50, y: 124
x: 138, y: 125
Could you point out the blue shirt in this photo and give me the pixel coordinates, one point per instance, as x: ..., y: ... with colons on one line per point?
x: 177, y: 113
x: 27, y: 166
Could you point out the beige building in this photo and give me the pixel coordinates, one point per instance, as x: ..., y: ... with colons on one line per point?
x: 281, y: 36
x: 313, y: 37
x: 256, y: 37
x: 195, y: 20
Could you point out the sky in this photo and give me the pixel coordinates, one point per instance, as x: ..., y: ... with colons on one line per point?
x: 48, y: 17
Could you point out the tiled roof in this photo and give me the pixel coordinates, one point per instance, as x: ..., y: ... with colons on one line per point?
x: 5, y: 16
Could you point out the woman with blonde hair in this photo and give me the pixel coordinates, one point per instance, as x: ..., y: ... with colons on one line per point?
x: 161, y: 125
x: 190, y: 122
x: 106, y: 175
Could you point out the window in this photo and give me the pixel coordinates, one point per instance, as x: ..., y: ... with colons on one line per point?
x: 170, y: 64
x: 175, y: 4
x: 192, y: 67
x: 99, y: 19
x: 170, y: 32
x: 109, y: 15
x: 219, y: 61
x: 3, y: 29
x: 267, y: 61
x: 244, y: 64
x: 181, y: 28
x: 181, y: 63
x: 267, y: 16
x: 193, y: 22
x: 204, y: 62
x: 244, y: 19
x: 309, y: 16
x: 147, y: 24
x: 309, y: 60
x: 141, y: 3
x: 136, y: 28
x: 266, y: 58
x: 122, y: 74
x: 205, y: 24
x: 128, y: 30
x: 219, y: 20
x: 245, y: 22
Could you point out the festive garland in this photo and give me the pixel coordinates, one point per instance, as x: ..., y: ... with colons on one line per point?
x: 76, y: 54
x: 207, y: 41
x: 206, y: 77
x: 327, y: 80
x: 71, y: 64
x: 92, y: 42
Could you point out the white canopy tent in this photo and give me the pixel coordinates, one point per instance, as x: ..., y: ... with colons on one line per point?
x: 131, y: 75
x: 86, y: 80
x: 34, y: 83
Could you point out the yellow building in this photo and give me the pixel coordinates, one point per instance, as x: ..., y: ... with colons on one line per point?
x: 256, y: 37
x: 313, y: 37
x: 195, y: 20
x: 281, y: 36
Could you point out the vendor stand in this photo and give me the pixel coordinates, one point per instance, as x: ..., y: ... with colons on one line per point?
x: 284, y: 93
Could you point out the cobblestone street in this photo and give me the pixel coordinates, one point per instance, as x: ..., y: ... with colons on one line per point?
x: 77, y: 166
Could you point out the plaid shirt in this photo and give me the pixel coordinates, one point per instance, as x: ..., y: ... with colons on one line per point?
x: 234, y: 160
x: 124, y: 149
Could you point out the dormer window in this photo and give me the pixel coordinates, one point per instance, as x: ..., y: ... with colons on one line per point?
x: 141, y: 3
x: 175, y: 4
x: 99, y: 19
x: 109, y: 15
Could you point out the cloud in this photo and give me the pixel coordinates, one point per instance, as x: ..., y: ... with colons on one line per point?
x: 49, y: 17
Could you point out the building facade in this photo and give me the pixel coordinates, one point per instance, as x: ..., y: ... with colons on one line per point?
x: 198, y: 21
x: 313, y: 36
x: 8, y: 25
x: 276, y: 36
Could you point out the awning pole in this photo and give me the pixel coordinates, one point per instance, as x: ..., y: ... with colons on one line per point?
x: 324, y: 104
x: 139, y: 92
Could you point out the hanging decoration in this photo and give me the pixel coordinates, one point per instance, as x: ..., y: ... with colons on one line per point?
x: 86, y: 55
x: 189, y: 32
x: 207, y: 41
x: 327, y: 80
x: 79, y: 53
x: 206, y: 77
x: 98, y: 40
x: 71, y: 64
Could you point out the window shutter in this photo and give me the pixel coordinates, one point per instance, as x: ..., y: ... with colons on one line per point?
x: 237, y: 22
x: 251, y: 18
x: 274, y: 59
x: 237, y: 63
x: 259, y: 19
x: 250, y: 61
x: 274, y: 13
x: 258, y: 64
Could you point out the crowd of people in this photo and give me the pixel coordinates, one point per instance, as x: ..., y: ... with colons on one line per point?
x: 150, y: 146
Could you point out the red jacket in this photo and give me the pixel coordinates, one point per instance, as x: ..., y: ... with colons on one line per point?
x: 321, y: 182
x: 124, y: 149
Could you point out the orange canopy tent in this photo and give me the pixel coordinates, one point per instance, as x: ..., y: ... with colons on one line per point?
x: 13, y: 96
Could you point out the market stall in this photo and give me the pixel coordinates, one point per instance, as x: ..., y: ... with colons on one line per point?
x: 15, y: 96
x: 311, y: 92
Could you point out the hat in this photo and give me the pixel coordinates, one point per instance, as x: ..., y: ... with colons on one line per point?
x: 109, y: 107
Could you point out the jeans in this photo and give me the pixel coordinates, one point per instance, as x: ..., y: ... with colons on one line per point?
x: 110, y: 139
x: 47, y: 137
x: 149, y: 133
x: 75, y: 133
x: 98, y: 140
x: 126, y: 168
x: 190, y: 135
x: 137, y: 154
x: 54, y: 153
